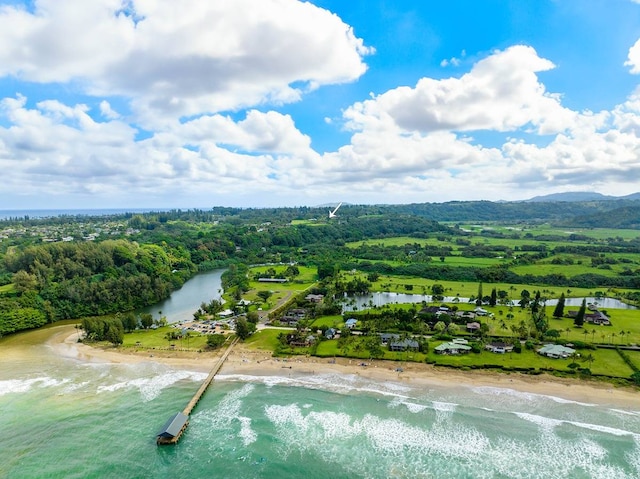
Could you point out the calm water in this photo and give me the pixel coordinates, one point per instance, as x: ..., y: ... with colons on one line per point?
x: 359, y: 302
x: 182, y: 303
x: 66, y: 418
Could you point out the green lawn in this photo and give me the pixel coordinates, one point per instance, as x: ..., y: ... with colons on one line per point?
x: 265, y: 339
x: 155, y: 339
x: 606, y: 362
x: 335, y: 321
x: 303, y: 281
x: 568, y: 270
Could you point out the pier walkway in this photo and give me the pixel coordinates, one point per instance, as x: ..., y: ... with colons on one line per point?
x: 176, y: 425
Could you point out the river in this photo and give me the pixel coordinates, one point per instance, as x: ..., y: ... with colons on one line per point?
x: 183, y: 302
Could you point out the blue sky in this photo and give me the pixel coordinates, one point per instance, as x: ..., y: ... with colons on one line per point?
x: 143, y: 103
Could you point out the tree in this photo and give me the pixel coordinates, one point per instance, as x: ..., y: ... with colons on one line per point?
x: 23, y: 282
x: 373, y: 277
x: 215, y: 340
x: 146, y: 320
x: 253, y: 317
x: 129, y: 321
x: 264, y: 295
x: 244, y: 328
x: 479, y: 298
x: 579, y: 319
x: 437, y: 291
x: 493, y: 300
x: 326, y: 270
x: 372, y: 345
x: 589, y: 358
x: 558, y: 312
x: 115, y: 333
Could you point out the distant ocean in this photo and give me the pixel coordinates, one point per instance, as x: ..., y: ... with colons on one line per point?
x: 66, y: 418
x: 4, y: 214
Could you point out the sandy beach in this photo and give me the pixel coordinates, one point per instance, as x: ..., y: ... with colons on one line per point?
x: 244, y: 361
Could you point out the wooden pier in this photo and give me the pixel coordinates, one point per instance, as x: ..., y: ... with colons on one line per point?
x: 176, y: 425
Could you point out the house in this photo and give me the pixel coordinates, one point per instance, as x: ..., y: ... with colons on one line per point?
x: 466, y: 314
x: 499, y: 347
x: 272, y: 280
x: 473, y: 327
x: 293, y: 316
x: 452, y: 348
x: 314, y: 298
x: 350, y: 323
x: 429, y: 310
x: 296, y: 341
x: 597, y: 317
x: 226, y: 313
x: 480, y: 311
x: 385, y: 338
x: 556, y: 351
x: 594, y: 317
x: 330, y: 333
x: 403, y: 345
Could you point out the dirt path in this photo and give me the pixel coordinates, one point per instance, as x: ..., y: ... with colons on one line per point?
x: 264, y: 315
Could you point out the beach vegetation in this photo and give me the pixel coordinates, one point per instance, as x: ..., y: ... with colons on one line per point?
x: 214, y: 341
x: 244, y: 328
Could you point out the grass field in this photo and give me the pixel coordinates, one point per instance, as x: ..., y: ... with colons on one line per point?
x: 280, y: 291
x: 155, y: 339
x: 265, y: 339
x: 545, y: 229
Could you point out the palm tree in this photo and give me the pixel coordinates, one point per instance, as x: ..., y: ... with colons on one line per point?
x: 585, y: 332
x: 568, y: 330
x: 593, y: 334
x: 589, y: 358
x: 514, y: 330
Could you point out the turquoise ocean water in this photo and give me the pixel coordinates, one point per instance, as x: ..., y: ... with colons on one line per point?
x: 66, y: 418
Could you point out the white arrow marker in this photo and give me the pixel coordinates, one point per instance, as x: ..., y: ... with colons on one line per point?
x: 332, y: 214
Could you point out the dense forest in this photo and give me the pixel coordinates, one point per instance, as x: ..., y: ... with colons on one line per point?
x: 79, y: 266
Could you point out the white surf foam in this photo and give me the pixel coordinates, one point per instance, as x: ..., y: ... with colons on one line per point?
x: 338, y: 383
x: 247, y: 434
x: 549, y: 424
x: 151, y: 387
x: 224, y: 418
x: 14, y: 386
x: 526, y: 396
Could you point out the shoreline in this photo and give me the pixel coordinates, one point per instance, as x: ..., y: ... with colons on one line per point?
x: 249, y: 362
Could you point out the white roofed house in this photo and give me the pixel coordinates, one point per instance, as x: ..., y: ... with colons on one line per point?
x: 556, y: 351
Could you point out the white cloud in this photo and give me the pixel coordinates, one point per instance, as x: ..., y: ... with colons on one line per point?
x: 107, y: 112
x: 181, y: 58
x: 633, y: 58
x: 501, y: 92
x: 407, y: 144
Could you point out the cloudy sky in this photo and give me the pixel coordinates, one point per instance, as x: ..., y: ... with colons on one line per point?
x: 191, y: 103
